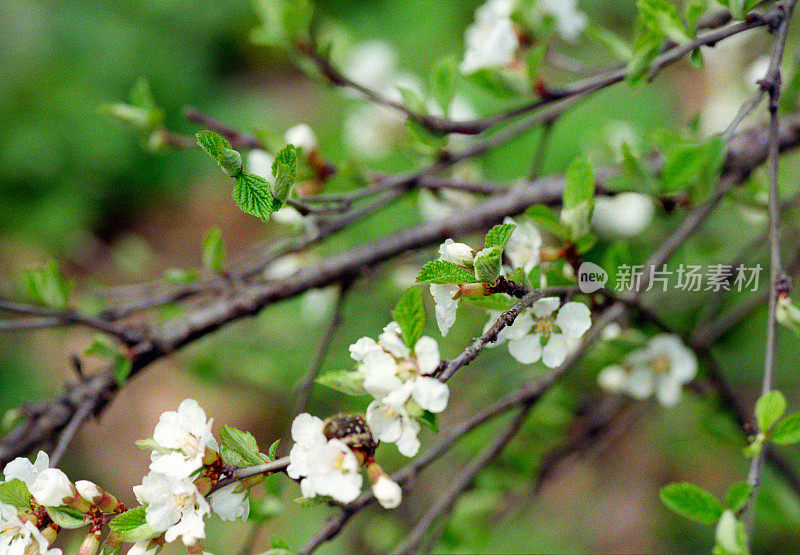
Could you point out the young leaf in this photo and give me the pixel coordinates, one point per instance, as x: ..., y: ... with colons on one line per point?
x: 220, y: 150
x: 662, y: 17
x: 487, y: 264
x: 534, y: 59
x: 132, y: 526
x: 264, y: 510
x: 499, y: 235
x: 350, y: 382
x: 544, y: 217
x: 429, y: 419
x: 579, y: 183
x: 690, y: 163
x: 273, y: 449
x: 441, y: 271
x: 242, y: 443
x: 214, y: 251
x: 253, y: 196
x: 15, y: 493
x: 737, y: 496
x: 787, y: 431
x: 66, y: 517
x: 410, y: 316
x: 284, y: 168
x: 179, y: 276
x: 102, y: 347
x: 692, y: 502
x: 444, y: 78
x: 48, y: 286
x: 769, y: 408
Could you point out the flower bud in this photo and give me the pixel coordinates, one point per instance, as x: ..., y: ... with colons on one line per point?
x: 52, y: 488
x: 788, y: 313
x: 458, y: 253
x: 301, y: 136
x: 104, y: 501
x: 472, y: 290
x: 90, y: 544
x: 386, y: 490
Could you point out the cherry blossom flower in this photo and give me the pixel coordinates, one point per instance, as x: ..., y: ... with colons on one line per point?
x: 324, y: 466
x: 662, y: 367
x: 25, y: 470
x: 21, y: 538
x: 52, y: 488
x: 540, y: 335
x: 184, y: 435
x: 524, y: 246
x: 231, y: 502
x: 491, y: 41
x: 623, y: 215
x: 173, y: 506
x: 302, y: 137
x: 446, y: 296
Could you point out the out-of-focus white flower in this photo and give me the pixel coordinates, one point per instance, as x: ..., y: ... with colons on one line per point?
x: 524, y: 246
x: 326, y: 466
x: 372, y: 64
x: 231, y: 502
x: 22, y: 469
x: 756, y: 71
x: 288, y: 215
x: 662, y: 367
x: 283, y: 267
x: 301, y: 136
x: 387, y: 492
x: 51, y: 488
x: 542, y: 336
x: 371, y: 131
x: 491, y: 41
x: 611, y: 331
x: 316, y: 304
x: 21, y: 538
x: 448, y: 202
x: 173, y: 506
x: 259, y: 162
x: 185, y: 433
x: 720, y: 109
x: 623, y: 215
x: 570, y: 22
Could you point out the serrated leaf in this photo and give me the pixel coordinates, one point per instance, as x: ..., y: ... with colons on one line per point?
x: 273, y: 449
x: 692, y: 502
x: 214, y: 250
x: 132, y: 526
x: 442, y: 271
x: 350, y: 382
x: 66, y: 518
x: 579, y: 183
x: 769, y: 409
x: 242, y: 443
x: 220, y: 150
x: 253, y: 196
x: 15, y: 493
x: 787, y: 430
x: 487, y: 264
x: 545, y: 218
x: 662, y: 16
x: 444, y: 79
x: 410, y: 316
x: 499, y: 235
x: 284, y: 169
x: 738, y: 495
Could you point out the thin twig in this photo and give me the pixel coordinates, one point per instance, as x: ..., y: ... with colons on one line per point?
x: 71, y: 429
x: 236, y: 138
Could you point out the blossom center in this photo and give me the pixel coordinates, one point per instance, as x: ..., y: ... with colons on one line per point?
x: 660, y: 364
x: 408, y: 368
x: 544, y: 327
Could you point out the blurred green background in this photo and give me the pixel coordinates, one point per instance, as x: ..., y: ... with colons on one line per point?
x: 76, y: 186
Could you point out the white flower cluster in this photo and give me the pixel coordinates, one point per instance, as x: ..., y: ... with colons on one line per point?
x: 491, y: 41
x: 18, y: 537
x: 173, y: 504
x: 662, y: 367
x: 327, y: 457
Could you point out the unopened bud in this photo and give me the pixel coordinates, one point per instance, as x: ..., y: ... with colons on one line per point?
x: 457, y: 253
x: 52, y: 488
x: 472, y: 290
x: 386, y: 490
x: 90, y: 491
x: 231, y: 162
x: 787, y: 313
x: 90, y: 544
x: 132, y: 116
x: 301, y: 136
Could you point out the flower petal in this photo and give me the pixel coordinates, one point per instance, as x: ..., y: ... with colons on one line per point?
x: 574, y: 319
x: 427, y: 352
x: 526, y: 349
x: 431, y: 394
x: 554, y: 353
x: 546, y: 306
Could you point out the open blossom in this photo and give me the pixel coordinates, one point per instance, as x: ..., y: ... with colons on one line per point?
x: 536, y: 334
x: 51, y: 488
x: 570, y: 22
x: 445, y: 296
x: 174, y: 506
x: 26, y: 471
x: 623, y: 215
x: 21, y: 538
x: 491, y: 41
x: 524, y: 246
x: 185, y: 434
x: 662, y: 367
x: 325, y: 466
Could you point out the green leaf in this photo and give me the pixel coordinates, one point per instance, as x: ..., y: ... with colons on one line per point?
x: 15, y: 493
x: 273, y: 449
x: 769, y: 408
x: 544, y: 217
x: 278, y: 543
x: 284, y: 168
x: 132, y: 526
x: 499, y: 235
x: 617, y: 46
x: 494, y: 83
x: 441, y: 271
x: 242, y: 443
x: 350, y: 382
x: 693, y: 10
x: 585, y: 244
x: 690, y: 163
x: 103, y: 347
x: 264, y: 510
x: 410, y: 316
x: 534, y: 59
x: 179, y: 276
x: 66, y: 517
x: 283, y: 22
x: 579, y: 183
x: 645, y: 50
x: 444, y: 79
x: 696, y: 58
x: 496, y: 301
x: 122, y: 369
x: 692, y: 502
x: 220, y: 150
x: 737, y: 496
x: 429, y: 419
x: 730, y: 536
x: 214, y: 251
x: 47, y: 286
x: 661, y: 16
x: 487, y: 264
x: 253, y: 196
x: 787, y: 431
x: 576, y: 219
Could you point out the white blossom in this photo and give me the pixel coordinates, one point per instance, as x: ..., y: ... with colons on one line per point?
x: 387, y: 492
x: 524, y: 246
x: 662, y: 367
x: 259, y: 162
x: 372, y: 64
x: 447, y: 202
x: 371, y: 131
x: 623, y: 215
x: 26, y: 471
x: 173, y: 506
x: 231, y: 502
x: 491, y: 41
x: 51, y: 487
x: 326, y: 466
x: 21, y: 538
x: 570, y: 22
x: 756, y: 71
x: 301, y: 136
x: 186, y: 433
x: 541, y: 336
